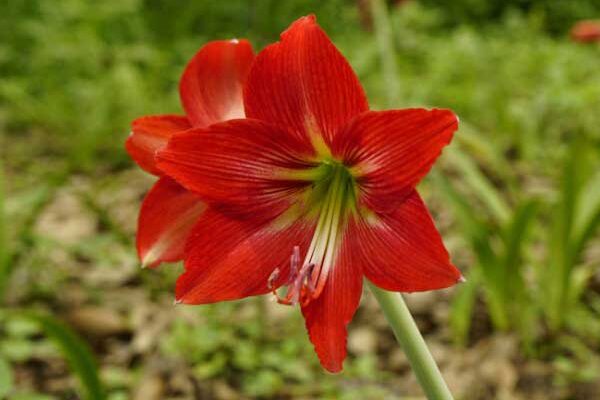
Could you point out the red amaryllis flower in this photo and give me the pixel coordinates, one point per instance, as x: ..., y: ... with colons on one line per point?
x: 586, y: 31
x: 211, y: 91
x: 312, y: 191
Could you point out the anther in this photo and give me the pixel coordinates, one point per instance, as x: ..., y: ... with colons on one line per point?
x: 272, y: 278
x: 300, y: 285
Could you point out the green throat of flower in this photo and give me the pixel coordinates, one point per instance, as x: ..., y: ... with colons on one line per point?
x: 330, y: 199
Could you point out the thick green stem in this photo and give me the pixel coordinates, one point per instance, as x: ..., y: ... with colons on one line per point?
x: 412, y: 343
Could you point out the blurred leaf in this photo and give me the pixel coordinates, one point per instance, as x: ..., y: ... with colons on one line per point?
x: 479, y: 184
x: 569, y: 233
x: 31, y: 396
x: 4, y: 250
x: 469, y: 221
x: 212, y: 367
x: 263, y: 383
x: 17, y: 349
x: 479, y: 238
x: 6, y: 377
x: 587, y: 216
x: 461, y: 310
x: 515, y: 240
x: 474, y: 142
x: 75, y: 350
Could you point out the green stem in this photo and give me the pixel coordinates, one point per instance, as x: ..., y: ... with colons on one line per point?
x: 387, y: 53
x: 392, y: 304
x: 408, y: 335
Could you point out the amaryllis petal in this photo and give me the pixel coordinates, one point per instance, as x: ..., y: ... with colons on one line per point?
x: 587, y: 31
x: 166, y: 218
x: 211, y: 85
x: 286, y: 179
x: 304, y: 83
x: 229, y: 259
x: 403, y: 251
x: 244, y: 163
x: 328, y: 315
x: 391, y: 151
x: 148, y: 134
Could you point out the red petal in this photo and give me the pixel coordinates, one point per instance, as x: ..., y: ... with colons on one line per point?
x: 229, y: 259
x: 211, y: 85
x: 244, y: 163
x: 149, y: 134
x: 587, y: 31
x: 328, y: 315
x: 391, y: 151
x: 304, y: 83
x: 403, y: 251
x: 167, y: 216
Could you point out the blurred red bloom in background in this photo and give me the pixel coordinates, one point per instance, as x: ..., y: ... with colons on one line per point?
x: 211, y: 91
x: 311, y: 191
x: 586, y: 31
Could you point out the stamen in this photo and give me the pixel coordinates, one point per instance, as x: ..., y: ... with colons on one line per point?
x: 306, y: 280
x: 298, y: 282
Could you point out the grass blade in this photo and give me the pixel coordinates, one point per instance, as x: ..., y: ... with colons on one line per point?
x: 479, y: 184
x: 514, y: 238
x: 75, y: 350
x: 384, y: 34
x: 6, y: 378
x: 587, y: 216
x: 478, y: 235
x: 4, y: 250
x: 461, y: 309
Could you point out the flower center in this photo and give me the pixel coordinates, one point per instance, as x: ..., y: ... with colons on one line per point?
x: 333, y: 196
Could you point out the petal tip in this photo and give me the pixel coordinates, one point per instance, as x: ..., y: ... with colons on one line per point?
x: 461, y: 279
x: 150, y: 257
x: 336, y: 369
x: 307, y: 20
x: 310, y: 18
x: 148, y: 261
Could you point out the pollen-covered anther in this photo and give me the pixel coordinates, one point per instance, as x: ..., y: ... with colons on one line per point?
x: 300, y: 288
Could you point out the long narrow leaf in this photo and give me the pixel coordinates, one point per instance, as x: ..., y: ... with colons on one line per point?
x: 461, y: 309
x: 587, y: 216
x: 480, y: 185
x: 479, y: 235
x: 75, y: 350
x: 514, y: 239
x: 558, y: 276
x: 6, y: 378
x: 4, y: 250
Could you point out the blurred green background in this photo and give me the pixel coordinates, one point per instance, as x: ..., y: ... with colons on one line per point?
x: 516, y: 196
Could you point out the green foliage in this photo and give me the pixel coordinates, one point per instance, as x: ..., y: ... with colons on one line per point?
x: 499, y: 271
x: 232, y: 340
x: 576, y: 218
x: 500, y: 240
x: 16, y: 345
x: 520, y: 183
x: 81, y: 71
x: 4, y: 250
x: 6, y: 378
x: 75, y: 350
x: 525, y: 102
x: 556, y: 15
